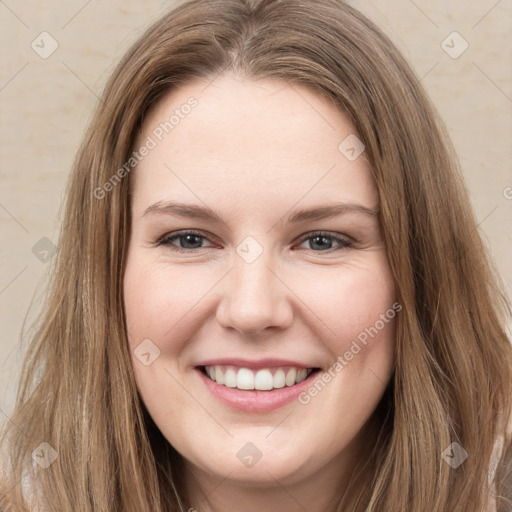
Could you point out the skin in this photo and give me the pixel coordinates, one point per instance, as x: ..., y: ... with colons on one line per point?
x: 254, y: 151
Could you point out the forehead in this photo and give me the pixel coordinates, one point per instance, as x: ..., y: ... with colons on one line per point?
x: 249, y: 138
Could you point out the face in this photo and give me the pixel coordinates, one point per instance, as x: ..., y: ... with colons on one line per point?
x: 256, y: 260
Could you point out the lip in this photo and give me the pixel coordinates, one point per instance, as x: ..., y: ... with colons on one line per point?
x: 254, y: 400
x: 254, y: 365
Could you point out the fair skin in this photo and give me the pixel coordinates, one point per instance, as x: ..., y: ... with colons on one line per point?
x: 256, y: 152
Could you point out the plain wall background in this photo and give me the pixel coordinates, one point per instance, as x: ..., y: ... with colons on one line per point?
x: 46, y: 103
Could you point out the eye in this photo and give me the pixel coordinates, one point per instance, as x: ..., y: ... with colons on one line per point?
x: 191, y: 240
x: 186, y: 240
x: 321, y: 240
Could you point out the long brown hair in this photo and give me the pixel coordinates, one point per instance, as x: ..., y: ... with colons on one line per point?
x: 452, y: 381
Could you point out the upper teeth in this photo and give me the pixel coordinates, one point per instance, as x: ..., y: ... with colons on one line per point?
x: 264, y: 379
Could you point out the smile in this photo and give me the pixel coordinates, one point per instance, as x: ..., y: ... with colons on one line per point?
x: 264, y: 379
x: 262, y: 388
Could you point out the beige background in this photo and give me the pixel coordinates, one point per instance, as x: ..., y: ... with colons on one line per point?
x: 46, y: 104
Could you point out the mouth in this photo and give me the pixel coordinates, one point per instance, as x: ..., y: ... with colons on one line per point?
x: 255, y: 390
x: 262, y: 379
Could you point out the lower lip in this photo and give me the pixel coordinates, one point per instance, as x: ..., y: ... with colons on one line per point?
x: 254, y: 400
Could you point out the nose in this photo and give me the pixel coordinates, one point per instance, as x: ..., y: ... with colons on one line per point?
x: 254, y: 298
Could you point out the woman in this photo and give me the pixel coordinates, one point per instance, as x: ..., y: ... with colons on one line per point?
x: 255, y: 372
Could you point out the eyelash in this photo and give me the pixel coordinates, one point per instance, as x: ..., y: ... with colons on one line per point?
x: 167, y: 240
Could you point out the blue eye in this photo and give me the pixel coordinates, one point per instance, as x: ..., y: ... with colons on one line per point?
x: 186, y: 239
x: 192, y: 240
x: 320, y: 239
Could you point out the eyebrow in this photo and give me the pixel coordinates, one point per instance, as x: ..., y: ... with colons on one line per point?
x: 193, y: 211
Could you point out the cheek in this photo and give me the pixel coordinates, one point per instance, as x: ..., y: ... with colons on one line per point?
x: 358, y: 309
x: 364, y: 314
x: 159, y: 298
x: 354, y: 302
